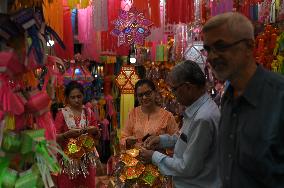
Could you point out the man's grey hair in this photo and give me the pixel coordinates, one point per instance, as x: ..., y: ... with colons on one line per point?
x: 238, y: 24
x: 188, y: 71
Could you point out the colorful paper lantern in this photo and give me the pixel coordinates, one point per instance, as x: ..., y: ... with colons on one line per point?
x: 131, y: 27
x: 127, y: 79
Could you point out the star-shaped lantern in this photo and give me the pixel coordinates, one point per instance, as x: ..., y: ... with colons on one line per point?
x: 131, y: 27
x: 127, y: 79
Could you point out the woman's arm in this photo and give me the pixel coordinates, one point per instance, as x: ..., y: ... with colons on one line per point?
x: 60, y: 126
x: 92, y: 128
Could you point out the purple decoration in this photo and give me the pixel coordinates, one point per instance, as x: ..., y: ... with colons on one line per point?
x: 116, y: 31
x: 141, y: 30
x: 131, y: 27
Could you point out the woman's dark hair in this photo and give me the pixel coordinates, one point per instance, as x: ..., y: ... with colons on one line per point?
x: 147, y: 82
x: 71, y: 86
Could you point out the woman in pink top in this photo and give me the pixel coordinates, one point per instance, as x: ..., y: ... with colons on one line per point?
x: 148, y: 118
x: 72, y: 121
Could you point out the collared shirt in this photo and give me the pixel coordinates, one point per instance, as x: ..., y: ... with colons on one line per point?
x: 194, y: 163
x: 251, y: 134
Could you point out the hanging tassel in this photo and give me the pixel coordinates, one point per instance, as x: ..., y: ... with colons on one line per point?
x: 59, y: 93
x: 84, y: 3
x: 114, y: 121
x: 2, y: 127
x: 10, y: 121
x: 109, y: 103
x: 101, y: 104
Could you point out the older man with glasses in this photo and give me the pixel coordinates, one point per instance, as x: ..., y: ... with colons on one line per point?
x: 194, y: 163
x: 251, y: 129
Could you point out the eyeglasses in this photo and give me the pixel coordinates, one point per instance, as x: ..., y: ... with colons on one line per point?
x: 146, y: 94
x: 219, y: 48
x: 174, y: 89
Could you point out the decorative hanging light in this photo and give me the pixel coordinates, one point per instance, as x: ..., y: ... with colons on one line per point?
x: 78, y: 71
x: 194, y: 52
x: 131, y: 27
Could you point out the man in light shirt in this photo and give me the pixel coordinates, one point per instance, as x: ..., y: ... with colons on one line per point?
x: 194, y: 163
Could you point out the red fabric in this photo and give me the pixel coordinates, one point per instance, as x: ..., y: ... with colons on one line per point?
x: 68, y: 53
x: 63, y: 180
x: 109, y: 43
x: 179, y: 11
x: 155, y: 12
x: 151, y: 11
x: 123, y: 50
x: 92, y: 49
x: 142, y: 6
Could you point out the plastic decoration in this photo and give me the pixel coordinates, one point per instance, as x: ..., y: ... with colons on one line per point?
x: 10, y: 64
x: 126, y: 79
x: 265, y: 45
x: 133, y: 152
x: 131, y: 27
x: 150, y: 175
x: 27, y: 132
x: 132, y: 172
x: 78, y: 3
x: 29, y: 144
x: 278, y: 62
x: 82, y: 152
x: 129, y: 160
x: 161, y: 53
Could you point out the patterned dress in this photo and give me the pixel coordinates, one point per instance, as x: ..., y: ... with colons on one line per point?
x: 140, y: 124
x: 64, y: 121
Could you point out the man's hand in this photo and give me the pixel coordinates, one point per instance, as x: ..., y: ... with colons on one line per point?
x: 152, y: 143
x: 146, y: 155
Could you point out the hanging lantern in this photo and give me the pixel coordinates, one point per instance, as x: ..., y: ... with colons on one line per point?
x: 194, y: 53
x: 126, y: 81
x: 131, y: 27
x: 78, y: 71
